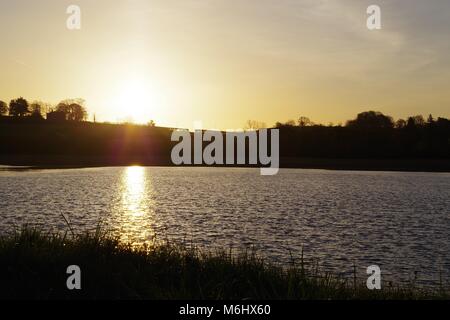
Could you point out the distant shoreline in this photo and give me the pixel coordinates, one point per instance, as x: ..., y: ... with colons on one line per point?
x: 27, y: 142
x: 64, y: 161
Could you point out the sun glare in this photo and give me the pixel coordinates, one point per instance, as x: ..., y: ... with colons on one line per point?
x: 137, y: 101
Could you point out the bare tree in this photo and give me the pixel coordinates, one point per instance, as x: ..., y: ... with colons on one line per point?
x: 304, y: 122
x: 37, y: 109
x: 73, y: 109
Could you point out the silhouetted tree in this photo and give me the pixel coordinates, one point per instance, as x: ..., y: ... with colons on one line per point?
x: 416, y: 121
x: 304, y: 121
x: 400, y: 123
x: 63, y: 107
x: 443, y: 123
x: 371, y: 119
x: 18, y: 107
x: 3, y: 108
x: 73, y: 109
x: 36, y: 109
x: 78, y: 113
x: 151, y: 123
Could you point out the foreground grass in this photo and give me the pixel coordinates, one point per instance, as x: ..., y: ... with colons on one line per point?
x: 33, y: 266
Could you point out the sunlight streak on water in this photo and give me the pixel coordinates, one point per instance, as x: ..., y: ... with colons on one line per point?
x: 133, y: 196
x: 137, y: 207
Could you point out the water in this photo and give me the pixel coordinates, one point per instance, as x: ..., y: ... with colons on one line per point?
x: 399, y: 221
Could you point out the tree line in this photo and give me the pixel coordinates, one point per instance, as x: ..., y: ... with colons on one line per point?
x: 70, y: 109
x: 367, y: 119
x: 371, y: 134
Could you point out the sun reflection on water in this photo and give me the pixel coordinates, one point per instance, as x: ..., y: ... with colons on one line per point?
x: 134, y: 180
x: 137, y: 207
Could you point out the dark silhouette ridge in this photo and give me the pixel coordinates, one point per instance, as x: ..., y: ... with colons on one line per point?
x: 372, y: 141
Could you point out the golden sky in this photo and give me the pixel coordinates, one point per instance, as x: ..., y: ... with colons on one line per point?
x: 223, y: 62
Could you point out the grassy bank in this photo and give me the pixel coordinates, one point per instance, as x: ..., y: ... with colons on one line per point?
x: 33, y: 265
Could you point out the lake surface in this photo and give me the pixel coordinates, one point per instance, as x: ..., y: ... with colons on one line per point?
x: 399, y: 221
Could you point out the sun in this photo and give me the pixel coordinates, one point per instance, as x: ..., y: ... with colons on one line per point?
x: 137, y: 100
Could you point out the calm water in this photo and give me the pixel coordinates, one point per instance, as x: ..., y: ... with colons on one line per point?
x: 399, y: 221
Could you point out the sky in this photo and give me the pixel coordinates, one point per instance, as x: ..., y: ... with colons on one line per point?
x: 222, y: 62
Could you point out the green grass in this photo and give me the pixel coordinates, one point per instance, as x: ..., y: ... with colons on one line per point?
x: 33, y: 266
